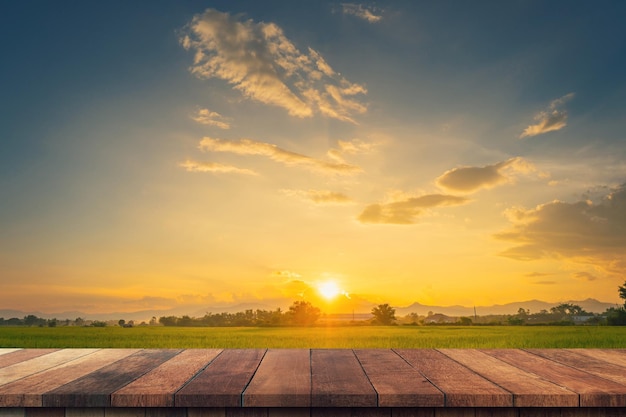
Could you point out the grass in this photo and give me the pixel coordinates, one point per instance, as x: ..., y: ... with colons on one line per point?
x: 316, y: 337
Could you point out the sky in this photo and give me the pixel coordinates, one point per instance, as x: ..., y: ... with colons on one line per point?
x: 159, y: 154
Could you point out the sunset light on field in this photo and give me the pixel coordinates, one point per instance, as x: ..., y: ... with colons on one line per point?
x: 186, y: 157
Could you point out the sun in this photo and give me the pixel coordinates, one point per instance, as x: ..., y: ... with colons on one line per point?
x: 329, y: 290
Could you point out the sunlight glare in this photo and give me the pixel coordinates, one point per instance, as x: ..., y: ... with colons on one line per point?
x: 329, y: 290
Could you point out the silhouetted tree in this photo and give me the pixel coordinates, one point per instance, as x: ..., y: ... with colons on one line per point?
x: 568, y: 309
x: 303, y: 313
x: 384, y: 314
x: 622, y: 293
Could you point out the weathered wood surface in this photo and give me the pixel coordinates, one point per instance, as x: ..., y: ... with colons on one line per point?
x: 397, y: 383
x: 223, y: 382
x: 461, y: 386
x: 528, y: 389
x: 157, y: 387
x: 29, y: 391
x: 411, y: 382
x: 338, y: 380
x: 283, y: 379
x: 94, y: 389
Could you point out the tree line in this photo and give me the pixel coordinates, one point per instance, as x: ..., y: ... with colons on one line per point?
x: 303, y: 313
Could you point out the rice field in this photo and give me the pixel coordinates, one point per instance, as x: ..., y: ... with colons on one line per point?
x: 316, y: 337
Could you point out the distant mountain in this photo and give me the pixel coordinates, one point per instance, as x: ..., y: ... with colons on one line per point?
x: 591, y: 305
x: 349, y: 306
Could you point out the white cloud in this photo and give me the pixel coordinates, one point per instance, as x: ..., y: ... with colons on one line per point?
x: 551, y: 119
x: 362, y: 12
x: 470, y: 179
x: 252, y: 147
x: 264, y: 65
x: 211, y: 118
x: 194, y: 166
x: 407, y: 211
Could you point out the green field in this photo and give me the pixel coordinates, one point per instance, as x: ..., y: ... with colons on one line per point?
x: 316, y: 337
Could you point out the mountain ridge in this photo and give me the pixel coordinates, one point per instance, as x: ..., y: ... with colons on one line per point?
x: 590, y: 304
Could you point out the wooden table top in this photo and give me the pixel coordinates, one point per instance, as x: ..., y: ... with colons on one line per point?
x: 312, y: 378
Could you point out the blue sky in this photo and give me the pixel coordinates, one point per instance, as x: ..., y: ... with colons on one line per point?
x: 158, y: 154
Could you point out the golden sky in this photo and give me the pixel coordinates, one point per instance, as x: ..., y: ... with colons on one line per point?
x: 159, y: 156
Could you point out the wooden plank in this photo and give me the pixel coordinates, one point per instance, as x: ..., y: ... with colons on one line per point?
x: 397, y: 383
x: 616, y: 356
x: 282, y: 380
x: 338, y: 380
x: 529, y: 390
x: 4, y: 351
x: 585, y: 363
x: 22, y: 355
x: 222, y: 383
x: 28, y: 392
x: 157, y: 387
x: 94, y: 389
x: 461, y: 386
x: 593, y: 390
x: 40, y: 363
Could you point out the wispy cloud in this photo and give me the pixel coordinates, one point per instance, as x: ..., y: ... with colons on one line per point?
x: 194, y: 166
x: 583, y: 231
x: 407, y: 211
x: 585, y: 276
x: 319, y: 196
x: 211, y: 118
x: 350, y: 147
x: 551, y: 119
x: 264, y: 65
x: 273, y: 152
x: 470, y: 179
x: 361, y: 11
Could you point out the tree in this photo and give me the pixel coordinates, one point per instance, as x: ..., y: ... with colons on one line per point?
x: 303, y: 313
x: 568, y: 309
x: 384, y: 314
x: 622, y: 293
x: 121, y: 323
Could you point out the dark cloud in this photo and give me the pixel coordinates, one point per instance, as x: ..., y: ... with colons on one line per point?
x: 584, y: 231
x: 469, y: 179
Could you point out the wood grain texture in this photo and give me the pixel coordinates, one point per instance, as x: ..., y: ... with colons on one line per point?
x: 283, y: 379
x: 461, y: 386
x: 593, y: 390
x: 94, y: 389
x: 22, y: 355
x: 615, y: 356
x: 28, y: 391
x: 222, y: 383
x: 40, y: 363
x: 397, y: 383
x: 587, y: 363
x: 338, y: 380
x: 529, y: 390
x: 157, y: 387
